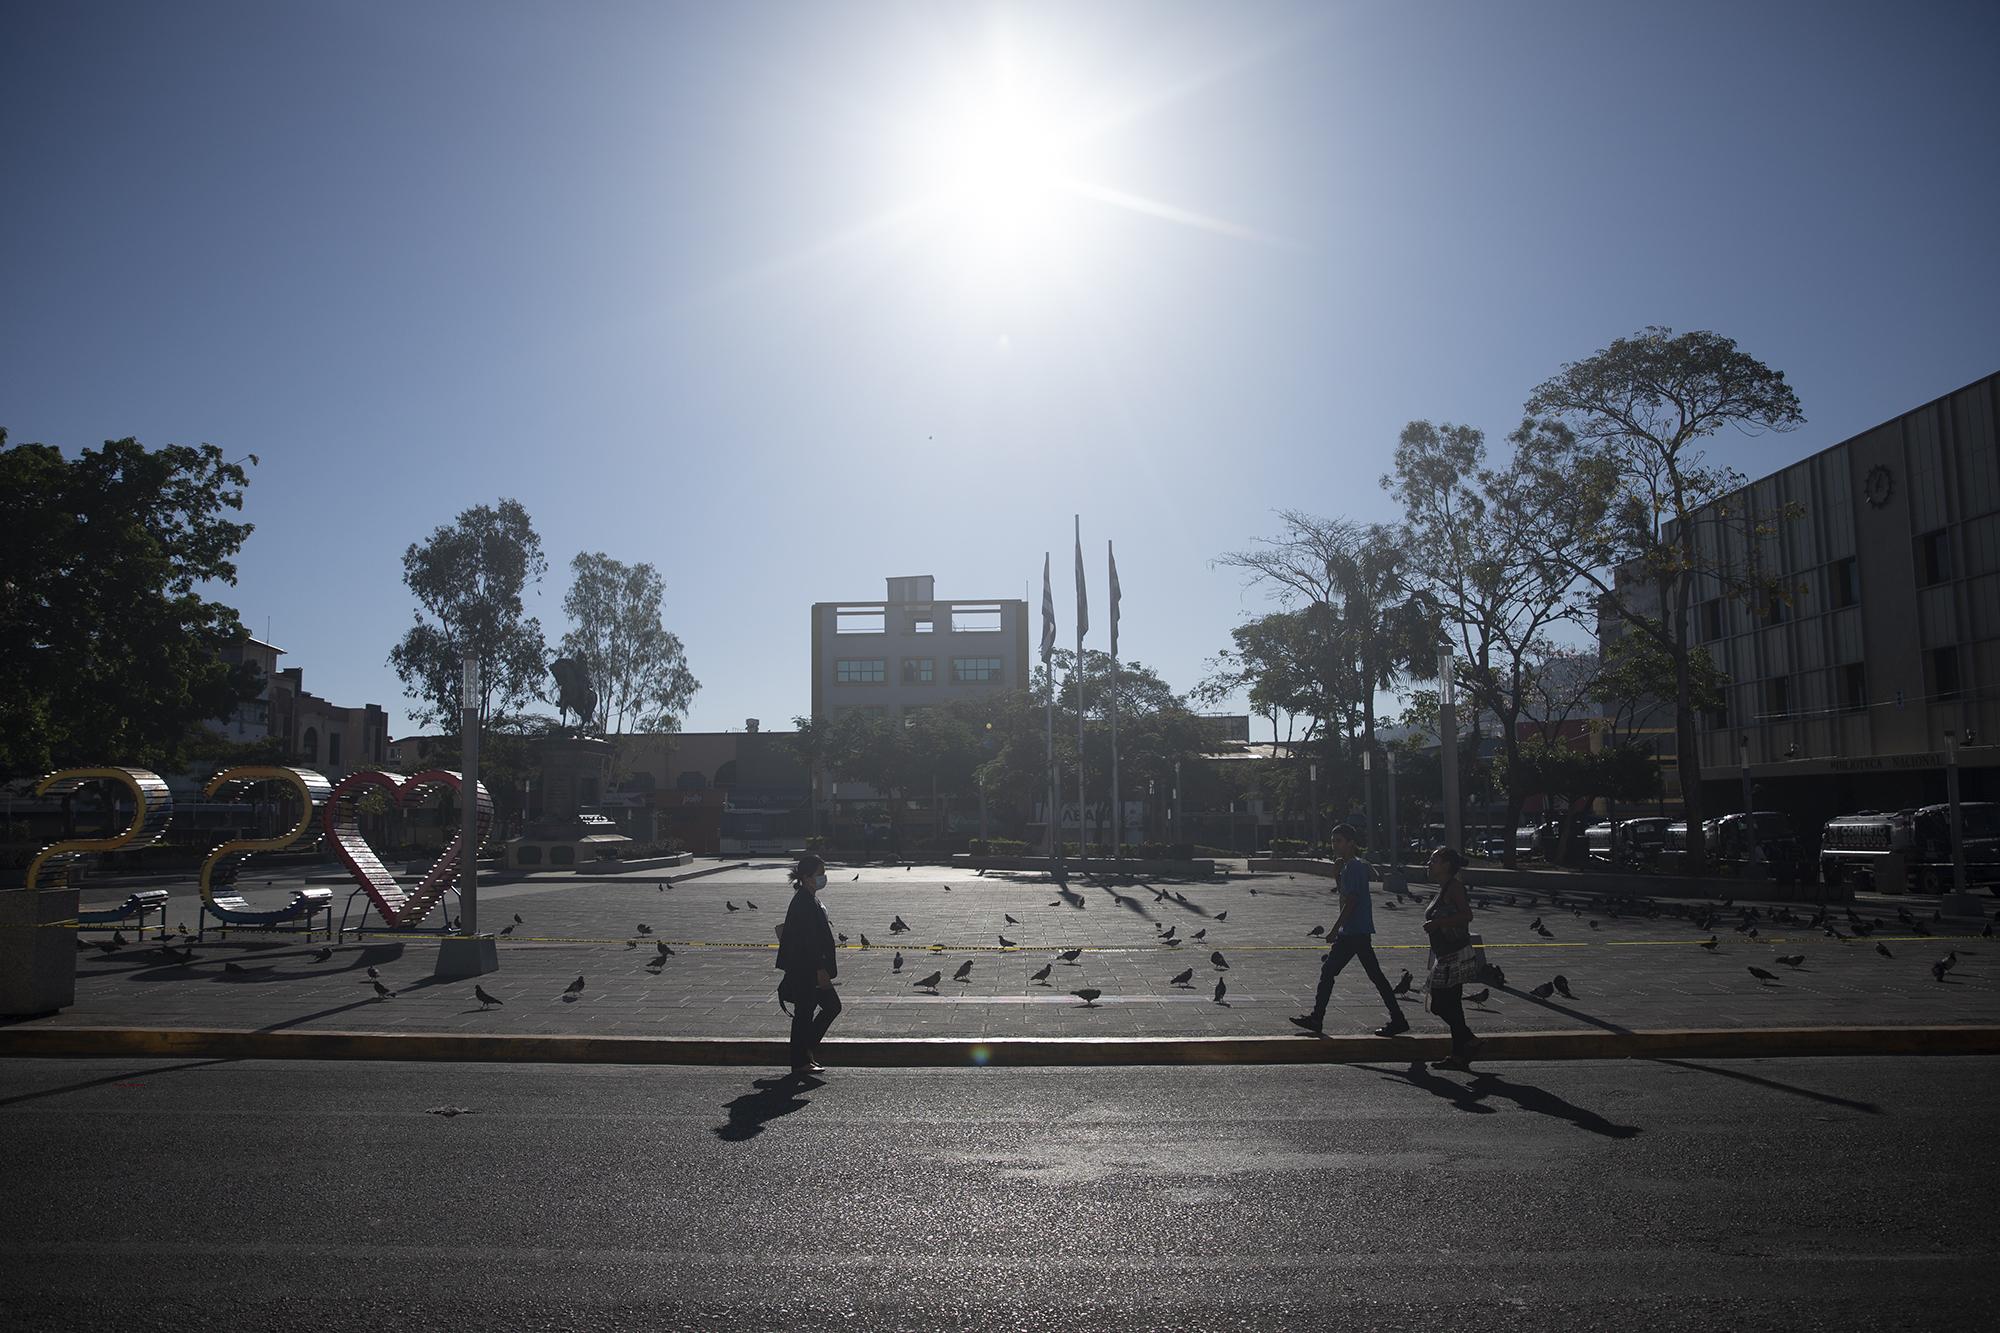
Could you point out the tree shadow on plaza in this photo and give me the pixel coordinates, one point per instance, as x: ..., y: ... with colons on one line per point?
x: 768, y: 1099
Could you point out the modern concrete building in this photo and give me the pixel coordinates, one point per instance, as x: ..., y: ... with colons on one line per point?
x: 1884, y: 665
x: 911, y: 651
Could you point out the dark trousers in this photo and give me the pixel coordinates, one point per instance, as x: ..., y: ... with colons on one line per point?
x: 1345, y: 948
x: 813, y: 1012
x: 1448, y: 1003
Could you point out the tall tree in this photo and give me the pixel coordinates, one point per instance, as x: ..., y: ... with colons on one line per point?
x: 108, y: 650
x: 469, y: 577
x: 1479, y: 542
x: 637, y: 665
x: 1616, y: 438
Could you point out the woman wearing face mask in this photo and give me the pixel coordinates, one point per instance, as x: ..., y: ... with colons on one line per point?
x: 805, y: 956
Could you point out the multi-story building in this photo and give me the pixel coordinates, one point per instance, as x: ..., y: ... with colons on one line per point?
x: 316, y: 733
x: 911, y: 651
x: 1883, y: 663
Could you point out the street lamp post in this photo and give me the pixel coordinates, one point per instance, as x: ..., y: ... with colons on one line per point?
x: 1960, y: 902
x: 1448, y: 751
x: 1312, y: 799
x: 1395, y: 871
x: 465, y: 952
x: 1367, y: 797
x: 1175, y: 811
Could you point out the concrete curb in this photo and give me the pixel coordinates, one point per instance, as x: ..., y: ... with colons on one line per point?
x: 952, y: 1052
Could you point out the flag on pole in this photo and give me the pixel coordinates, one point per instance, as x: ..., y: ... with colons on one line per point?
x: 1082, y: 602
x: 1048, y: 611
x: 1114, y: 598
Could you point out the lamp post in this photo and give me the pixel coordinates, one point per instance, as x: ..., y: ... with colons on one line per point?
x: 1960, y: 902
x: 1395, y: 871
x: 1755, y: 861
x: 465, y: 952
x: 1174, y: 812
x: 1367, y: 797
x: 1312, y: 799
x: 1448, y: 752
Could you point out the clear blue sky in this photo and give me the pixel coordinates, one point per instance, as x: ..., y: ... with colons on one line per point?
x: 786, y: 298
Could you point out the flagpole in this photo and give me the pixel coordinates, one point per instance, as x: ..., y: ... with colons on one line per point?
x: 1117, y: 810
x: 1055, y: 774
x: 1082, y: 834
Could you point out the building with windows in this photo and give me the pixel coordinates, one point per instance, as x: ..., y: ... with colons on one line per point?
x: 911, y: 651
x: 331, y: 738
x: 1882, y: 665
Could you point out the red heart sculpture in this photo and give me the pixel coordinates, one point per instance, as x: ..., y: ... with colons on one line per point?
x: 343, y: 830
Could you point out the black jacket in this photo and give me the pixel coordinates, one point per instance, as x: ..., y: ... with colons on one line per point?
x: 806, y: 944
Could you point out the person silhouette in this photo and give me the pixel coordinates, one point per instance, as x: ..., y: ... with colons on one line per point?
x: 806, y: 957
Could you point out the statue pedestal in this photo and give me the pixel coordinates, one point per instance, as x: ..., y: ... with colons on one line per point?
x: 576, y: 772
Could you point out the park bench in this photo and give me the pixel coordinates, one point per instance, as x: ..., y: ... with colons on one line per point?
x: 137, y: 907
x: 232, y: 912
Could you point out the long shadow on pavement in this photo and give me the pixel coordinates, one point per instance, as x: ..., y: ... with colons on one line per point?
x: 770, y: 1098
x: 1867, y: 1108
x: 1473, y: 1096
x: 112, y: 1078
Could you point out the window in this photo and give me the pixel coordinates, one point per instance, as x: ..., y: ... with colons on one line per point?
x: 922, y: 625
x: 860, y: 620
x: 974, y: 669
x: 1854, y: 687
x: 919, y: 670
x: 309, y: 745
x: 1842, y: 588
x: 1774, y: 610
x: 1933, y: 557
x: 980, y: 618
x: 861, y: 671
x: 1711, y: 620
x: 1716, y: 719
x: 1944, y: 673
x: 1778, y: 696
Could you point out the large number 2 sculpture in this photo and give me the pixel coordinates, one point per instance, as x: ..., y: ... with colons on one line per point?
x: 152, y: 811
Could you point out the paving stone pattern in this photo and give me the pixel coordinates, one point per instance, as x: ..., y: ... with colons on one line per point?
x: 1624, y: 972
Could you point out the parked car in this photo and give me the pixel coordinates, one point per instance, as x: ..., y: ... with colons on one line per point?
x: 1539, y: 841
x: 1892, y: 851
x: 1731, y: 838
x: 1629, y: 843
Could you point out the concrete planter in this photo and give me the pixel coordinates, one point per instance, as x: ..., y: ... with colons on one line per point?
x: 37, y: 957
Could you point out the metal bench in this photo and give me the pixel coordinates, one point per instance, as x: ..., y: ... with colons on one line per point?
x: 140, y: 906
x: 232, y: 912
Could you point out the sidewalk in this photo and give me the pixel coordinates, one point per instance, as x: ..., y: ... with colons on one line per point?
x: 1625, y: 974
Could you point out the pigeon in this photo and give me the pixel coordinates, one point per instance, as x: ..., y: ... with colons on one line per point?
x: 1403, y: 983
x: 1182, y: 978
x: 1791, y: 959
x: 1219, y: 960
x: 659, y: 886
x: 1762, y: 975
x: 1010, y: 920
x: 1753, y: 932
x: 1221, y: 989
x: 1006, y: 943
x: 1479, y: 998
x: 964, y: 971
x: 479, y: 993
x: 1057, y: 903
x: 857, y: 875
x: 1951, y: 960
x: 731, y: 906
x: 864, y: 939
x: 1593, y: 925
x: 1543, y: 991
x: 1042, y: 975
x: 381, y: 991
x: 842, y: 938
x: 631, y: 944
x: 752, y: 906
x: 1883, y: 949
x: 1200, y: 934
x: 517, y: 919
x: 1170, y: 932
x: 1938, y: 969
x: 574, y: 987
x: 666, y: 950
x: 1088, y: 995
x: 909, y: 867
x: 1711, y: 944
x: 373, y: 974
x: 506, y: 930
x: 1070, y: 955
x: 1317, y: 930
x: 1222, y: 916
x: 1536, y: 924
x: 1561, y: 983
x: 321, y: 955
x: 930, y: 982
x: 898, y: 926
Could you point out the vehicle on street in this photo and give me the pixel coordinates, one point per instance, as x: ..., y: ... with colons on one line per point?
x: 1910, y: 850
x: 1732, y: 837
x: 1632, y: 844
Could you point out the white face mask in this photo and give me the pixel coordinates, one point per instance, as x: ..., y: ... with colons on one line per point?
x: 819, y: 880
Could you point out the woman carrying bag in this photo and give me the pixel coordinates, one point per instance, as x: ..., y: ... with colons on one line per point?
x: 806, y: 957
x: 1448, y: 921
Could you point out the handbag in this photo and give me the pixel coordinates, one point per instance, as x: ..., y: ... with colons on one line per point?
x: 1456, y: 968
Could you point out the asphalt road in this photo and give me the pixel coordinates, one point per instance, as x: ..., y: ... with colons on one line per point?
x: 1758, y: 1194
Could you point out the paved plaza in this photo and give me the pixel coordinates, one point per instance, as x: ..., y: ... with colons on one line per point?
x: 1630, y: 971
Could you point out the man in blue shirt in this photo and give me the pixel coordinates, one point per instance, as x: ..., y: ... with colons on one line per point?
x: 1353, y: 937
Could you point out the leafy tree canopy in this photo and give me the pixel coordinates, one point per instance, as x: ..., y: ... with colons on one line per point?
x: 107, y: 646
x: 637, y: 665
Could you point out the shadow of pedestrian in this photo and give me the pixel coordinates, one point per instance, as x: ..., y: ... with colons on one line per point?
x: 1543, y: 1102
x: 1461, y: 1097
x: 771, y: 1098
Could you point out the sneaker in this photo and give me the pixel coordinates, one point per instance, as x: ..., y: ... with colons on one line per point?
x: 814, y: 1067
x: 1310, y: 1023
x: 1393, y: 1028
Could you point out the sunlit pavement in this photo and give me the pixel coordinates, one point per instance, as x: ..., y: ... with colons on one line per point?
x: 1802, y: 1194
x: 1622, y: 972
